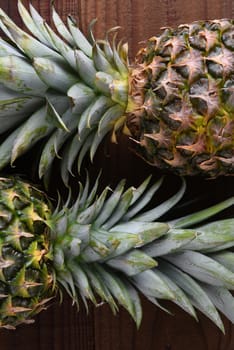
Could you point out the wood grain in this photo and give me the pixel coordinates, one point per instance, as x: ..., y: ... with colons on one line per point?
x: 62, y: 327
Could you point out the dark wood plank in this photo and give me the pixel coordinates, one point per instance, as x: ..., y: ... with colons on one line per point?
x: 61, y: 327
x: 159, y: 331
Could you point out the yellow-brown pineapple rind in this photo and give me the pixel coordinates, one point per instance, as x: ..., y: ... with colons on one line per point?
x: 181, y: 112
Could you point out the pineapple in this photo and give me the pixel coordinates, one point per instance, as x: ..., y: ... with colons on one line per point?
x: 26, y: 279
x: 108, y: 248
x: 175, y: 102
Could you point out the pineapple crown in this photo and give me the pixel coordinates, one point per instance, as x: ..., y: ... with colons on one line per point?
x: 108, y: 247
x: 65, y: 89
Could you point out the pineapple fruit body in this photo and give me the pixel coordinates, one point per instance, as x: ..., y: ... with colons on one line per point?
x: 107, y: 248
x: 175, y: 102
x: 26, y: 279
x: 182, y: 93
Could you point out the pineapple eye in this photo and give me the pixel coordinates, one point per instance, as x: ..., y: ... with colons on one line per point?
x: 5, y: 218
x: 198, y: 42
x: 13, y: 261
x: 228, y: 38
x: 199, y: 105
x: 228, y: 94
x: 215, y: 69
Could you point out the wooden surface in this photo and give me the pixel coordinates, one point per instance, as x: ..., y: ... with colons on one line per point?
x: 62, y: 327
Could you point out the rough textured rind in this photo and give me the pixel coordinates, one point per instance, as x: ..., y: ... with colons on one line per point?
x: 182, y: 108
x: 25, y: 277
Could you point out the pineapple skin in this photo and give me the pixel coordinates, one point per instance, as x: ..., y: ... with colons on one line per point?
x: 181, y: 113
x: 26, y: 280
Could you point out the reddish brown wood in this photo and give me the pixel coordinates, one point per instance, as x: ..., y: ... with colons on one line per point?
x: 61, y: 327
